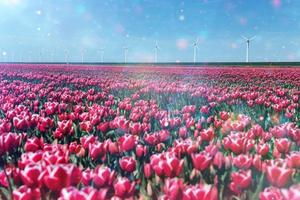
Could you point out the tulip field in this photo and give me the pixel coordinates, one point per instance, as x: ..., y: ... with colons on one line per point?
x: 138, y: 132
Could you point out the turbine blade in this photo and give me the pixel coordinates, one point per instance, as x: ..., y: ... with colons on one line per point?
x: 252, y: 38
x: 244, y: 37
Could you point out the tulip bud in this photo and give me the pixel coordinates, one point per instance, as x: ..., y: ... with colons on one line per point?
x: 147, y: 170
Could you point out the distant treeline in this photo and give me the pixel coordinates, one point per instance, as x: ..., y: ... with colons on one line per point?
x: 188, y: 64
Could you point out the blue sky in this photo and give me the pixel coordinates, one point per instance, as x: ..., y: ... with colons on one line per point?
x: 43, y: 30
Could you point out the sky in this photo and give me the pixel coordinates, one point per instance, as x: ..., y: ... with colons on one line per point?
x: 84, y: 30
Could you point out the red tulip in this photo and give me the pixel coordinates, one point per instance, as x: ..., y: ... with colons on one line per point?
x: 201, y: 161
x: 87, y: 176
x: 127, y: 164
x: 20, y: 123
x: 293, y: 159
x: 163, y: 135
x: 26, y: 193
x: 96, y: 150
x: 242, y: 161
x: 151, y: 139
x: 65, y: 128
x: 56, y: 177
x: 9, y: 142
x: 258, y: 163
x: 86, y: 126
x: 3, y: 179
x: 238, y: 143
x: 87, y: 140
x: 204, y: 109
x: 127, y: 142
x: 140, y: 150
x: 278, y: 131
x: 135, y: 128
x: 30, y: 175
x: 218, y: 160
x: 240, y: 181
x: 33, y: 144
x: 183, y: 132
x: 263, y: 149
x: 166, y: 164
x: 74, y: 148
x: 173, y: 189
x: 124, y: 187
x: 271, y: 193
x: 291, y: 193
x: 207, y: 134
x: 277, y: 173
x: 283, y: 145
x: 203, y: 192
x: 104, y: 177
x: 113, y: 147
x: 86, y: 193
x: 224, y: 115
x: 5, y: 126
x: 44, y: 124
x: 103, y: 127
x: 147, y: 170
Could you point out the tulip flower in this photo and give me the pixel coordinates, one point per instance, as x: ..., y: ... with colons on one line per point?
x: 205, y: 192
x: 240, y: 181
x: 127, y: 142
x: 166, y: 164
x: 293, y: 159
x: 277, y: 173
x: 96, y: 150
x: 147, y: 170
x: 201, y: 161
x: 283, y: 145
x: 124, y: 188
x: 127, y: 164
x: 30, y: 175
x: 242, y: 161
x: 103, y: 177
x: 263, y: 149
x: 86, y: 193
x: 9, y: 142
x: 26, y: 193
x: 103, y: 127
x: 271, y: 193
x: 56, y: 177
x: 173, y: 189
x: 291, y: 193
x: 33, y: 144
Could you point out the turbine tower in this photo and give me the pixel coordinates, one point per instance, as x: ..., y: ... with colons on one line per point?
x: 66, y: 55
x: 82, y: 55
x: 125, y: 54
x: 248, y: 40
x: 195, y: 44
x: 156, y: 51
x: 102, y: 54
x: 52, y: 56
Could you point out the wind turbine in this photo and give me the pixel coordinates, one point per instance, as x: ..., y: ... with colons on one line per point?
x: 156, y: 51
x: 12, y: 56
x: 195, y: 44
x: 52, y: 56
x: 40, y: 56
x: 102, y: 54
x: 125, y: 54
x: 248, y: 40
x: 82, y: 54
x: 29, y: 56
x: 21, y: 57
x: 66, y: 55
